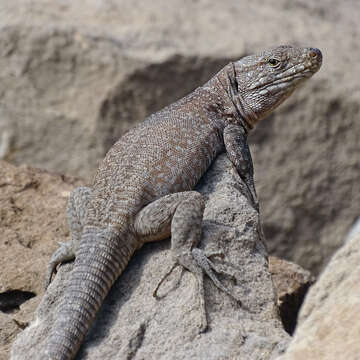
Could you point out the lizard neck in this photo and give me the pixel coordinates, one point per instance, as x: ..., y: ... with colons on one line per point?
x: 228, y: 102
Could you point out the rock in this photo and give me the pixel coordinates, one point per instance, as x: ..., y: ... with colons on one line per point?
x: 329, y: 321
x: 74, y: 77
x: 354, y: 230
x: 8, y: 331
x: 71, y: 85
x: 291, y: 283
x: 133, y: 324
x: 32, y: 219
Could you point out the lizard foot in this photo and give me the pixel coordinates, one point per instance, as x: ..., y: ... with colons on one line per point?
x: 62, y: 254
x: 203, y: 261
x: 200, y: 263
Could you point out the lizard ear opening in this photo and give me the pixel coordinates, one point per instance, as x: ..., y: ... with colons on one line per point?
x: 232, y: 79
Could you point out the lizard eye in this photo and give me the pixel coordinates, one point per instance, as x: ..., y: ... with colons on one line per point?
x: 274, y: 62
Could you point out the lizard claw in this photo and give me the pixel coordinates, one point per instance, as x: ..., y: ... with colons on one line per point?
x: 214, y: 253
x: 155, y: 295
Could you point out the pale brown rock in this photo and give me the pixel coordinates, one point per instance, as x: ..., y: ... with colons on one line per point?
x: 8, y: 331
x: 329, y: 321
x: 32, y: 219
x: 291, y: 282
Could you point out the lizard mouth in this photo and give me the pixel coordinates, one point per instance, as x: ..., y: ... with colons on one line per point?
x: 290, y: 81
x: 286, y: 82
x: 290, y: 77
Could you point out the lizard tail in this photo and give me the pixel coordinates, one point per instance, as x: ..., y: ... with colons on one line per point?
x: 100, y: 260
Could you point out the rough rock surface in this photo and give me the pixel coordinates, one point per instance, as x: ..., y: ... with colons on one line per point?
x: 133, y: 324
x: 291, y: 283
x: 329, y: 321
x: 32, y: 219
x: 74, y: 76
x: 30, y: 234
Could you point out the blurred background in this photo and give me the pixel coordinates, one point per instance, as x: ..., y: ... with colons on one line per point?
x: 76, y: 75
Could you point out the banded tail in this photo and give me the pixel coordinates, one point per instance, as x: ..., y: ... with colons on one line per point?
x: 101, y: 258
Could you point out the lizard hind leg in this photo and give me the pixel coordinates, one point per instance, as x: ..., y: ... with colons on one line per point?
x: 76, y: 213
x: 181, y: 215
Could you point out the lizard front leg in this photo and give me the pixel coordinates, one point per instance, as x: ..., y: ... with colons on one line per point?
x: 181, y: 215
x: 237, y: 148
x: 75, y: 212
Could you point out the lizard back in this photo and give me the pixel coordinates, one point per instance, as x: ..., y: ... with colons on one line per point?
x: 167, y: 153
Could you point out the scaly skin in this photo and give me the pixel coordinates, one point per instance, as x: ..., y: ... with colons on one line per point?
x: 142, y: 190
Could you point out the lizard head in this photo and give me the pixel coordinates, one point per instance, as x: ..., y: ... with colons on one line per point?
x: 259, y: 83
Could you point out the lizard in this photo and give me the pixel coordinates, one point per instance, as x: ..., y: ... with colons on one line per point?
x: 143, y: 190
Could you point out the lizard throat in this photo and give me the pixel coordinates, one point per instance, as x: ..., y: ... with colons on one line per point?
x: 238, y: 111
x: 246, y: 115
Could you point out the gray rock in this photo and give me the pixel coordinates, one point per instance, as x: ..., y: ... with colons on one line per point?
x: 133, y: 324
x: 354, y: 230
x: 329, y: 321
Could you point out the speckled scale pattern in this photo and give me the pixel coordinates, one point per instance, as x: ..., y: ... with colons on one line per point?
x: 167, y: 153
x: 141, y: 191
